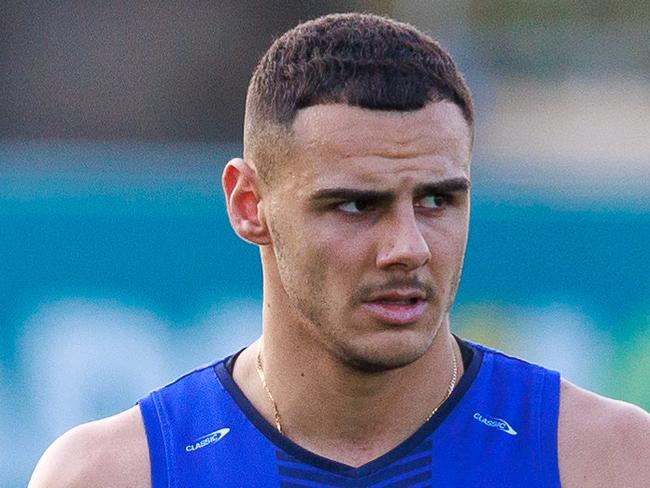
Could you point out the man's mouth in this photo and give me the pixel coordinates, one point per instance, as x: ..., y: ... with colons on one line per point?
x: 397, y: 308
x: 409, y: 301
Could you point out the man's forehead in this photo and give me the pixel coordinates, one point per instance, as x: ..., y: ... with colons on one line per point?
x: 384, y: 173
x: 342, y: 145
x: 347, y: 130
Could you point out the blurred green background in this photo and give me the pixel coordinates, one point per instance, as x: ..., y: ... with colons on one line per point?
x: 118, y: 268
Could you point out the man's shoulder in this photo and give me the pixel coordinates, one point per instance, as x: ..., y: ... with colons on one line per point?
x: 110, y: 452
x: 601, y: 442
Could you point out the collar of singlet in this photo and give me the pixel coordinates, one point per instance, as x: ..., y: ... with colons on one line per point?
x: 472, y: 359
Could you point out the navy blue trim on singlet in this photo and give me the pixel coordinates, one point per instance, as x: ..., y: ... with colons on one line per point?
x: 155, y: 441
x: 548, y: 436
x: 290, y: 447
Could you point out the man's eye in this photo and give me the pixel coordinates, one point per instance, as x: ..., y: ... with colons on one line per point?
x: 355, y: 206
x: 433, y: 201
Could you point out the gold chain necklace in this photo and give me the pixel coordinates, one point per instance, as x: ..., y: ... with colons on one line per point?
x: 276, y: 413
x: 260, y: 373
x: 450, y: 387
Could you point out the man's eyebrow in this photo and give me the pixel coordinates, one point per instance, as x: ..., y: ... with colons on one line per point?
x: 444, y: 186
x: 349, y: 194
x: 451, y: 185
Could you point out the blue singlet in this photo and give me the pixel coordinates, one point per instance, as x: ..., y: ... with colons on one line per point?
x: 497, y: 429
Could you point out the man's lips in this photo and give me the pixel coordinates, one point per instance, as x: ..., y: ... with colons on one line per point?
x: 397, y: 307
x: 397, y: 296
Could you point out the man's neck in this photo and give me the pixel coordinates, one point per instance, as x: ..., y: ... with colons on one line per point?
x: 337, y: 411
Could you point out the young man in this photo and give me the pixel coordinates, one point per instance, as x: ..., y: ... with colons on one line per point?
x: 355, y: 185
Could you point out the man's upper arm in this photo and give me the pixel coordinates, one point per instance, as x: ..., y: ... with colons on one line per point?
x: 111, y: 452
x: 602, y: 442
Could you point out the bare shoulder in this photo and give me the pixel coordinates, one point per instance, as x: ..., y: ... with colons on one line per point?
x: 111, y: 452
x: 601, y: 442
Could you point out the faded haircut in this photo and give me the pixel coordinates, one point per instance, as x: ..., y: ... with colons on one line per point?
x: 362, y: 60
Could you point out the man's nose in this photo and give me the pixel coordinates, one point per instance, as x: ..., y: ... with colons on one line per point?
x: 402, y: 244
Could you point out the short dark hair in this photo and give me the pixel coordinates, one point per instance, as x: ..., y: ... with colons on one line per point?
x: 362, y: 60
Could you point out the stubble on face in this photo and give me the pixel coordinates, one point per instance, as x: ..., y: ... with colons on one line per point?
x: 303, y: 277
x: 309, y: 274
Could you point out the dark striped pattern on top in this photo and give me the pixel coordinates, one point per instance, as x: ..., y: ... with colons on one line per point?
x: 411, y: 471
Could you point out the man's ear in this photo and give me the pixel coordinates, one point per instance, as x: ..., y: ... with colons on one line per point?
x: 242, y: 199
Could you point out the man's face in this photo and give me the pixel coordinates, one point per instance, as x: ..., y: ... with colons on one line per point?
x: 369, y: 224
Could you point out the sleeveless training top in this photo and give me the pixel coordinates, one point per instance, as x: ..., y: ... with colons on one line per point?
x: 497, y: 429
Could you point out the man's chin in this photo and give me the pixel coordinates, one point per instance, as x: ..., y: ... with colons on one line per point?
x: 382, y: 358
x: 374, y: 366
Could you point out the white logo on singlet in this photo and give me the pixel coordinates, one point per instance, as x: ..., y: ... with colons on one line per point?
x: 499, y: 424
x: 207, y: 439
